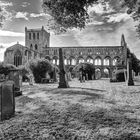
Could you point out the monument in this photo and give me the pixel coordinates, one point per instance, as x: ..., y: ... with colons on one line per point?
x: 63, y: 83
x: 129, y: 71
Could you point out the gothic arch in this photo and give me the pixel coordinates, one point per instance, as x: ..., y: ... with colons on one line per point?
x: 72, y: 60
x: 36, y: 47
x: 80, y: 59
x: 106, y: 72
x: 89, y: 59
x: 115, y: 60
x: 17, y: 58
x: 26, y: 52
x: 98, y: 73
x: 98, y: 61
x: 48, y: 58
x: 31, y: 47
x: 34, y: 36
x: 65, y: 61
x: 107, y: 61
x: 55, y: 60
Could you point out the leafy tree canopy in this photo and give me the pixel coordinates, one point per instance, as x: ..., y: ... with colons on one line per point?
x: 5, y: 68
x: 67, y: 14
x: 2, y: 17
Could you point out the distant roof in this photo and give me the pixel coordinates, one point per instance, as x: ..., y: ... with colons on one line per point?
x: 14, y: 46
x: 85, y: 47
x: 37, y: 29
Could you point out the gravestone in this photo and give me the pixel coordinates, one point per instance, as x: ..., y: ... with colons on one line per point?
x: 7, y: 100
x: 15, y: 76
x: 63, y: 83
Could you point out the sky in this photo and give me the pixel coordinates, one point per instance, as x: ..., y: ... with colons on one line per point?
x: 105, y: 28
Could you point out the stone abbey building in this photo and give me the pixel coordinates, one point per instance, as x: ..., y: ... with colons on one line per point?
x: 37, y: 45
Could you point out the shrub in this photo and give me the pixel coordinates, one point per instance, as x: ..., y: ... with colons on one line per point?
x: 39, y: 67
x: 5, y: 68
x: 24, y: 71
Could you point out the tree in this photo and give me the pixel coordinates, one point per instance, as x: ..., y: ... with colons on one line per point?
x: 39, y: 68
x: 2, y: 17
x: 135, y: 63
x: 67, y: 14
x: 5, y: 68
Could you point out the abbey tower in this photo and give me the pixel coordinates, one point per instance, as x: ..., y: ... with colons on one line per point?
x: 37, y: 39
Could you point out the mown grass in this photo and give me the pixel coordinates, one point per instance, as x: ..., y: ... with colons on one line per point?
x: 94, y: 110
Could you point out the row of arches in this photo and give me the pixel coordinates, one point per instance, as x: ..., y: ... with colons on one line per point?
x: 98, y: 61
x: 33, y: 36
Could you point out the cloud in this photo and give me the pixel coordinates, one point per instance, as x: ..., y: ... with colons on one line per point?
x: 100, y: 9
x: 4, y: 10
x: 34, y: 15
x: 22, y: 15
x: 5, y: 4
x: 37, y: 15
x: 6, y: 45
x: 11, y: 34
x: 118, y: 17
x: 94, y: 22
x: 25, y: 4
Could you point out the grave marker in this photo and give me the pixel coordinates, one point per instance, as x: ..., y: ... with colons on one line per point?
x: 7, y: 100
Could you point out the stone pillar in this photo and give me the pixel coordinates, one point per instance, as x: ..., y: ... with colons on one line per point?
x: 129, y: 72
x: 63, y: 83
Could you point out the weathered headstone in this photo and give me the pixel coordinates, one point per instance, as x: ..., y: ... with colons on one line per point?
x: 63, y: 83
x: 14, y: 76
x: 7, y: 100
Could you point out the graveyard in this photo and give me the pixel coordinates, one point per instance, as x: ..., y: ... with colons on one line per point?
x: 94, y: 109
x: 77, y: 77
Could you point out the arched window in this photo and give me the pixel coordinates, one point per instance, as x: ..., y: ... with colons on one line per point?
x: 97, y: 73
x: 55, y: 60
x: 72, y: 61
x: 106, y: 61
x: 36, y: 47
x: 33, y: 35
x: 29, y: 55
x: 30, y: 36
x: 90, y: 60
x: 26, y: 53
x: 31, y: 47
x: 17, y: 58
x: 98, y: 61
x: 65, y: 61
x: 106, y: 73
x: 80, y: 60
x: 48, y: 58
x: 37, y: 35
x: 116, y: 60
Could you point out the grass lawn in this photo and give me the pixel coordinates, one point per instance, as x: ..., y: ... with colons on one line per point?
x: 94, y: 110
